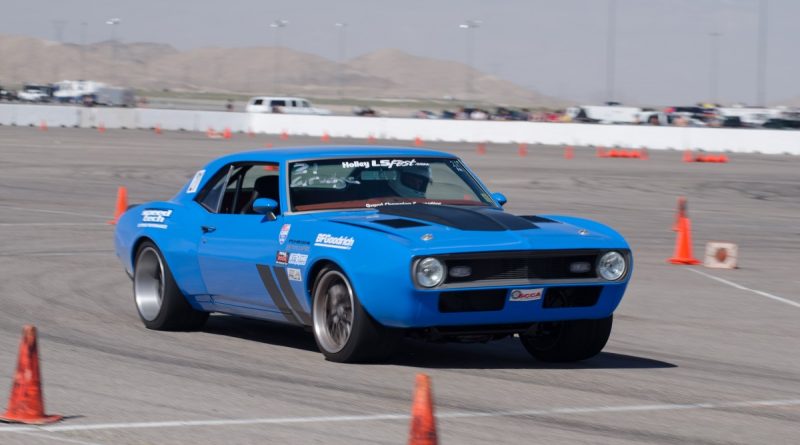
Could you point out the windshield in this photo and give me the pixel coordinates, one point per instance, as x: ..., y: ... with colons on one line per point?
x: 377, y: 182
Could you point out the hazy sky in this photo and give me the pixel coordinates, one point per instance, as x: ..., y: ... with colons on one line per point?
x: 558, y: 47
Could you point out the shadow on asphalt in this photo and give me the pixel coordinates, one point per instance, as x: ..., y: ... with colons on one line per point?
x: 506, y: 354
x: 501, y: 354
x: 260, y: 331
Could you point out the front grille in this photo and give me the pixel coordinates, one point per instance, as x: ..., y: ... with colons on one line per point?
x: 522, y: 266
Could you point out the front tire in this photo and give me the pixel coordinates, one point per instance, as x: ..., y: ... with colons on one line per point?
x: 343, y: 330
x: 567, y: 341
x: 160, y: 303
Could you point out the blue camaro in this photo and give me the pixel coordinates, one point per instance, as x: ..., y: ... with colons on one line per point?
x: 364, y: 245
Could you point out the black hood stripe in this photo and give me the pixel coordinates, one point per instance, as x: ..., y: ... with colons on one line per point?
x: 539, y: 219
x: 464, y: 218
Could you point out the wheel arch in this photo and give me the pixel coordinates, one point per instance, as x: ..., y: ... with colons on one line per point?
x: 313, y: 273
x: 137, y: 244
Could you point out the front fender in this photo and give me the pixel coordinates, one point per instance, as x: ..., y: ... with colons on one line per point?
x: 176, y: 235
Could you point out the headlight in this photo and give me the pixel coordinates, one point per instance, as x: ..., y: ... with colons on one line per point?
x: 429, y: 272
x: 611, y: 266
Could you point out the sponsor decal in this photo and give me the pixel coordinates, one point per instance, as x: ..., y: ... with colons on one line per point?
x: 383, y: 163
x: 298, y: 259
x: 294, y: 274
x: 155, y: 218
x: 406, y: 203
x: 284, y: 233
x: 282, y: 258
x: 195, y: 181
x: 334, y: 242
x: 526, y: 294
x: 293, y: 246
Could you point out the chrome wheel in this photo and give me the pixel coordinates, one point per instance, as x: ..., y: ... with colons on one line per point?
x: 148, y: 283
x: 333, y: 311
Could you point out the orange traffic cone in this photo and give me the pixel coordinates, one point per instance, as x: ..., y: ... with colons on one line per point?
x: 101, y: 128
x: 482, y: 149
x: 601, y: 152
x: 325, y: 137
x: 268, y: 145
x: 522, y: 150
x: 683, y: 244
x: 43, y: 125
x: 284, y: 135
x: 157, y: 129
x: 371, y: 139
x: 423, y: 422
x: 643, y: 155
x: 26, y: 404
x: 122, y: 204
x: 569, y: 152
x: 227, y: 133
x: 687, y: 156
x: 418, y: 142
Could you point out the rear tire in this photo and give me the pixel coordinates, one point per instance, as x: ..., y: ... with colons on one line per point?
x: 567, y: 341
x: 343, y: 330
x: 160, y: 303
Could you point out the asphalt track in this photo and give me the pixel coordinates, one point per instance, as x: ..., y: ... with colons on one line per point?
x: 696, y: 355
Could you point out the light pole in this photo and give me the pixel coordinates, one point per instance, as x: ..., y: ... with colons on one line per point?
x: 83, y: 50
x: 277, y: 25
x: 713, y: 72
x: 611, y: 42
x: 341, y: 55
x: 114, y: 22
x: 761, y: 86
x: 58, y: 27
x: 469, y: 26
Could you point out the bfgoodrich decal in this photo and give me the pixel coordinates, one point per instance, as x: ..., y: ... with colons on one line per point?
x: 334, y: 242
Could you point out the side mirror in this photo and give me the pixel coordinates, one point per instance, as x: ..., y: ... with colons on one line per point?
x: 264, y: 206
x: 500, y: 198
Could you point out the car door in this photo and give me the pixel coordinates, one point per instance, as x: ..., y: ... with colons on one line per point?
x: 237, y: 245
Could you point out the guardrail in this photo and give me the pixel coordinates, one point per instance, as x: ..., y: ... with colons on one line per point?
x: 629, y: 136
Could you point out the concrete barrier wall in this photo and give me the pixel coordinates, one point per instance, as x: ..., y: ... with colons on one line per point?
x: 627, y: 136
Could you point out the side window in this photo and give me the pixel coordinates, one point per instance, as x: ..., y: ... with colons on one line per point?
x: 306, y: 104
x: 211, y: 195
x: 278, y: 103
x: 246, y: 184
x: 258, y: 102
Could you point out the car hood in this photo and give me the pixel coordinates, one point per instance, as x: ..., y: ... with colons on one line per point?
x: 440, y: 228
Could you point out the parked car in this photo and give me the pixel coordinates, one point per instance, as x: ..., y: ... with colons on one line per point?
x: 288, y: 105
x: 36, y: 93
x: 363, y: 245
x: 8, y: 95
x: 365, y: 111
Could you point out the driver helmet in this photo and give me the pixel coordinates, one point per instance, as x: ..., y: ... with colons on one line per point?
x: 411, y: 181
